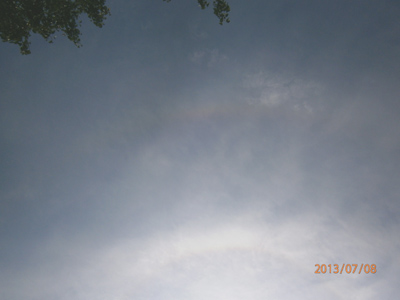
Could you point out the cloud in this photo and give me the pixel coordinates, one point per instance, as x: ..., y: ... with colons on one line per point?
x: 206, y: 177
x: 210, y: 58
x: 276, y: 90
x: 239, y: 256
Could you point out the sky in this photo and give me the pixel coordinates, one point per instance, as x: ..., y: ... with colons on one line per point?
x: 174, y: 158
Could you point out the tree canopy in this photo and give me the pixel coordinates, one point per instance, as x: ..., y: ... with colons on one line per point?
x: 19, y: 18
x: 221, y: 9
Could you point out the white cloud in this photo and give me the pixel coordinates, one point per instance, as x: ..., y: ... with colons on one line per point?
x: 208, y: 57
x: 235, y: 256
x: 273, y: 90
x: 197, y: 56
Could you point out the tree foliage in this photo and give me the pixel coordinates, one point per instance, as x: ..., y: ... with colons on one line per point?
x: 19, y: 18
x: 221, y: 9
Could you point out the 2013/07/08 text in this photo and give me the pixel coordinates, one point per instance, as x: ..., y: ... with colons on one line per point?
x: 348, y: 268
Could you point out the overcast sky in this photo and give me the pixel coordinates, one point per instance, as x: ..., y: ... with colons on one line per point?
x: 174, y: 158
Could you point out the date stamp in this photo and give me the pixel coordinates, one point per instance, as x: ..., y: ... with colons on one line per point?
x: 348, y: 268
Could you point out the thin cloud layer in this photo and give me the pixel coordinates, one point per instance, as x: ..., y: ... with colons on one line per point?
x: 173, y: 158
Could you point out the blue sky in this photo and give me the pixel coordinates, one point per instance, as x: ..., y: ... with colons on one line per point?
x: 174, y: 158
